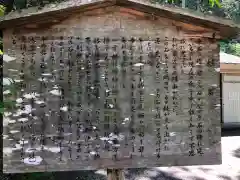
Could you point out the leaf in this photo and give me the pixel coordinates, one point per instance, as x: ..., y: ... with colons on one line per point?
x: 215, y: 2
x: 2, y: 10
x: 211, y: 2
x: 237, y: 49
x: 1, y: 53
x: 218, y: 3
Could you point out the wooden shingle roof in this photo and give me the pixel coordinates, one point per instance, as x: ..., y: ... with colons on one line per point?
x: 229, y: 59
x: 226, y: 28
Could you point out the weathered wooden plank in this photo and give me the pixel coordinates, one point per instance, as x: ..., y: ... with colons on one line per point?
x: 230, y: 68
x: 158, y: 48
x: 115, y: 174
x: 31, y: 14
x: 123, y: 17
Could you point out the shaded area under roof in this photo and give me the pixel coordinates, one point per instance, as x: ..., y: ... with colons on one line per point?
x: 226, y: 28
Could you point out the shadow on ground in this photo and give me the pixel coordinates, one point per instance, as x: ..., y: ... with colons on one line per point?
x: 68, y: 175
x: 148, y: 174
x: 130, y: 174
x: 236, y: 153
x: 156, y: 174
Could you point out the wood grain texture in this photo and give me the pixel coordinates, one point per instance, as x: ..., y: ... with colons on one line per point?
x: 115, y: 174
x: 230, y: 68
x: 224, y: 27
x: 116, y: 23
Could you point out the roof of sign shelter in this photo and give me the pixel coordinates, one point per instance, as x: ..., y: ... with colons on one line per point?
x: 229, y: 59
x: 229, y: 63
x: 49, y: 13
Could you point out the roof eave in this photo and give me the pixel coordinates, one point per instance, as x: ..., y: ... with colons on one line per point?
x: 51, y: 15
x: 226, y: 28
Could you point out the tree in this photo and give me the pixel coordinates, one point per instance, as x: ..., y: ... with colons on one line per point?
x: 232, y: 9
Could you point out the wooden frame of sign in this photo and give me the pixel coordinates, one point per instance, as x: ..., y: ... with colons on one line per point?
x: 112, y: 84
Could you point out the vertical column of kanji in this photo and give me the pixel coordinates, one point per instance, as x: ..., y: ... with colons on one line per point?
x: 79, y: 80
x: 60, y: 130
x: 166, y: 93
x: 115, y: 101
x: 14, y: 44
x: 175, y: 77
x: 212, y: 93
x: 32, y: 48
x: 183, y: 52
x: 199, y: 105
x: 183, y: 58
x: 97, y: 104
x: 13, y: 51
x: 123, y: 72
x: 70, y: 98
x: 88, y: 90
x: 106, y: 96
x: 191, y: 101
x: 141, y: 112
x: 52, y: 58
x: 124, y: 63
x: 216, y: 118
x: 23, y: 47
x: 133, y: 97
x: 157, y: 101
x: 43, y: 90
x: 53, y: 70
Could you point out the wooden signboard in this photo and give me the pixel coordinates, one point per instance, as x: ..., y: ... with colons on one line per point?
x: 88, y: 99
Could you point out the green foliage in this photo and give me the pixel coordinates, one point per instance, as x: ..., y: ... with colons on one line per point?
x: 215, y: 2
x: 2, y: 10
x: 192, y: 3
x: 21, y: 4
x: 230, y: 47
x: 232, y: 9
x: 235, y: 48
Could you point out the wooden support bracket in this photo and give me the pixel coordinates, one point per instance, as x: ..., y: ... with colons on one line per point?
x: 115, y: 174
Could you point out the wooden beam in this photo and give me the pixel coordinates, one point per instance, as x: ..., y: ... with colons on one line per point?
x: 115, y: 174
x: 226, y: 28
x: 229, y: 68
x: 50, y: 16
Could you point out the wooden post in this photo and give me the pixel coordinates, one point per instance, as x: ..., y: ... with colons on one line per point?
x: 115, y: 174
